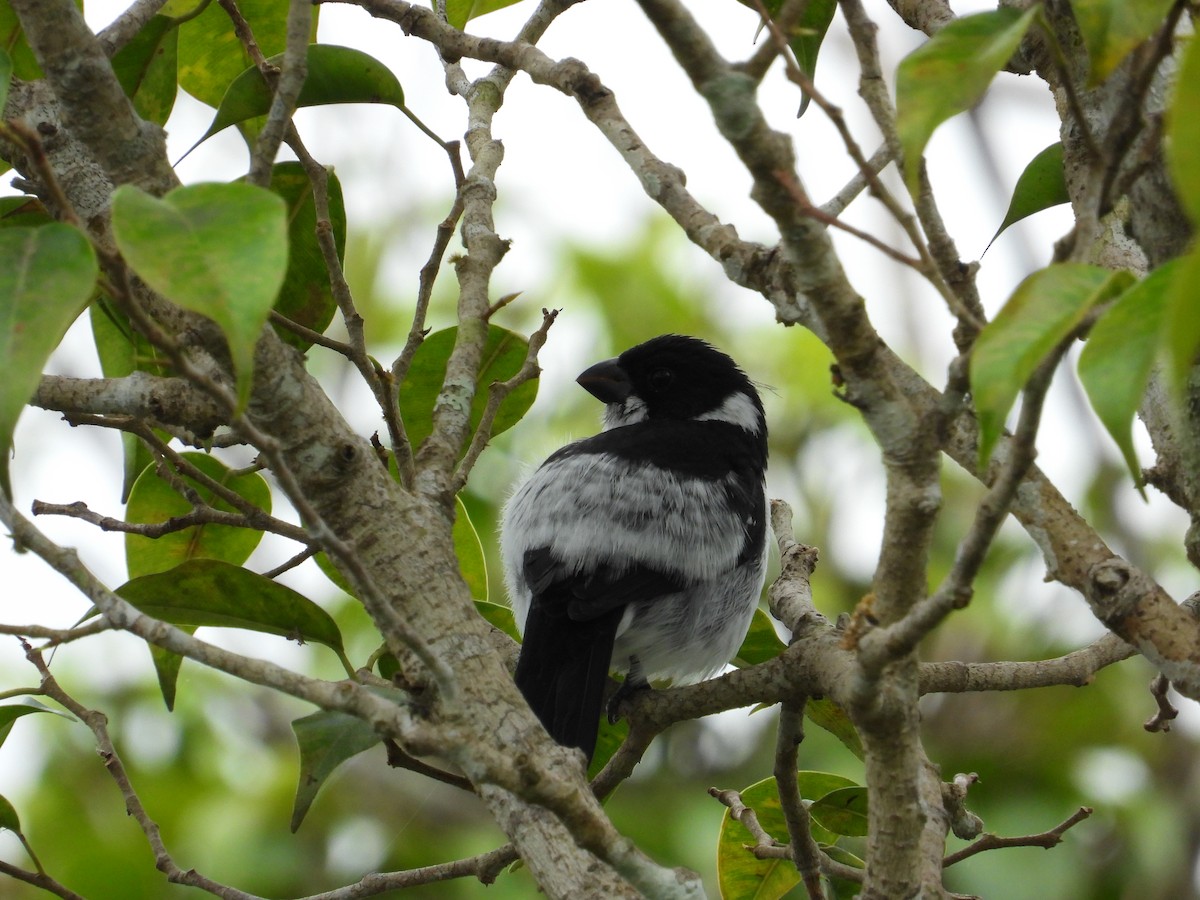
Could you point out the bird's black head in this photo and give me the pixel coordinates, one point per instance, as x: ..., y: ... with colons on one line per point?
x: 675, y: 377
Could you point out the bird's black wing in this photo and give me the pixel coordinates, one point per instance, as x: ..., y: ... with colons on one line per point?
x: 569, y: 633
x: 578, y: 600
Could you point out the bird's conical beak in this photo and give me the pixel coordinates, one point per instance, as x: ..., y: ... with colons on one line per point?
x: 606, y: 381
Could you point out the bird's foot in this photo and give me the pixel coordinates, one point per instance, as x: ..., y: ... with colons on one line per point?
x: 629, y: 687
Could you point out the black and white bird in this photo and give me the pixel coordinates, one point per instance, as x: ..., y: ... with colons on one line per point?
x: 642, y: 549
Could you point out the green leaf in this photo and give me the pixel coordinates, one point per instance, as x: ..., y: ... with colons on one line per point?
x: 12, y: 40
x: 809, y: 34
x: 147, y: 68
x: 1113, y: 28
x: 1183, y: 158
x: 333, y: 573
x: 335, y: 75
x: 609, y: 738
x: 1041, y: 186
x: 843, y: 811
x: 828, y: 715
x: 46, y: 277
x: 1122, y: 348
x: 472, y: 562
x: 761, y: 643
x: 11, y: 712
x: 1182, y: 327
x: 326, y: 740
x: 503, y: 356
x: 122, y: 351
x: 739, y: 873
x: 210, y: 54
x: 23, y: 211
x: 153, y: 500
x: 387, y: 665
x: 8, y: 816
x: 207, y: 592
x: 6, y: 71
x: 469, y: 550
x: 498, y: 617
x: 950, y: 73
x: 1044, y: 309
x: 459, y: 12
x: 166, y: 667
x: 217, y: 249
x: 843, y: 888
x: 306, y: 297
x: 1183, y: 132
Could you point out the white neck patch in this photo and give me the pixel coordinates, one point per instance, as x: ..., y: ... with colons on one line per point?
x: 737, y: 409
x: 629, y: 411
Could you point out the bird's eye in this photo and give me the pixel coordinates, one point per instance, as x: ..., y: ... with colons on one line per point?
x: 660, y: 378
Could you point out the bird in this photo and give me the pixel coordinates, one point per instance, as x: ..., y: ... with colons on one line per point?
x: 641, y: 549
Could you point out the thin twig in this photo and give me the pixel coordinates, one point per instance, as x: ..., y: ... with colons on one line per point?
x: 942, y: 269
x: 806, y: 855
x: 837, y: 204
x: 39, y: 880
x: 744, y: 815
x: 485, y: 867
x: 30, y: 142
x: 397, y: 758
x: 429, y: 271
x: 498, y: 392
x: 201, y: 515
x: 308, y: 334
x: 377, y: 379
x: 766, y: 847
x: 1076, y: 668
x: 122, y: 29
x: 1161, y: 720
x: 808, y: 208
x: 1047, y: 839
x: 57, y: 636
x: 877, y: 648
x: 98, y: 724
x: 1128, y: 119
x: 245, y: 34
x: 288, y: 564
x: 286, y: 84
x: 622, y: 763
x: 1068, y: 85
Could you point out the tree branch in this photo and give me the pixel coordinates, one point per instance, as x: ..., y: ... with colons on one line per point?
x: 94, y: 105
x: 1047, y: 839
x: 98, y: 724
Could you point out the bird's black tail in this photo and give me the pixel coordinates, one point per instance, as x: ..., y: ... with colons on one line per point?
x: 563, y: 669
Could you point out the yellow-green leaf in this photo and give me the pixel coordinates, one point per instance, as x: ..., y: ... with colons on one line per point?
x: 335, y: 75
x: 217, y: 249
x: 1183, y: 132
x: 1113, y: 28
x: 154, y: 500
x: 950, y: 73
x: 1044, y: 309
x: 503, y: 356
x: 1121, y: 350
x: 46, y: 277
x: 1042, y: 185
x: 739, y: 873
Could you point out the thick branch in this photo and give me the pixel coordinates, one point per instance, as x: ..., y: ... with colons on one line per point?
x: 171, y: 401
x: 95, y: 107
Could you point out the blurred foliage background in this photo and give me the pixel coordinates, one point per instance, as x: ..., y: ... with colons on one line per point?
x: 219, y: 774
